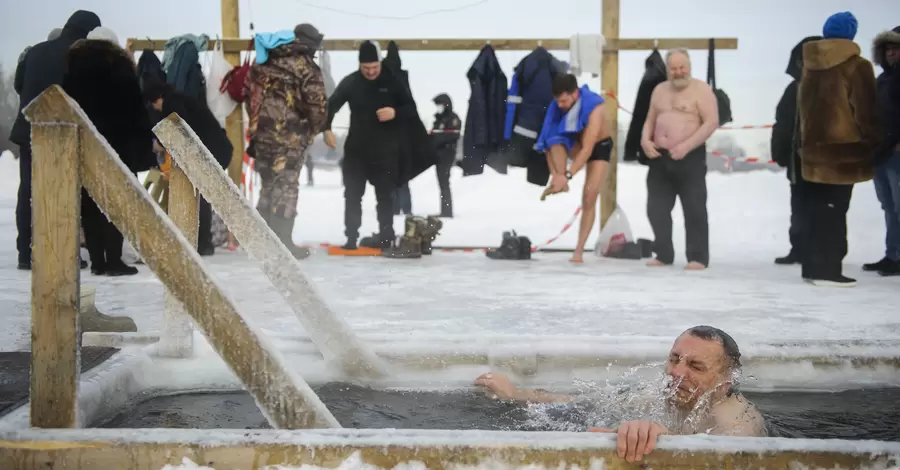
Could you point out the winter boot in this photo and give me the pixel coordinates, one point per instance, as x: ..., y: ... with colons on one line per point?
x: 878, y: 266
x: 524, y: 247
x: 891, y: 269
x: 790, y: 258
x: 405, y: 247
x: 429, y: 228
x: 509, y: 248
x: 284, y: 228
x: 93, y: 320
x: 376, y: 240
x: 350, y: 245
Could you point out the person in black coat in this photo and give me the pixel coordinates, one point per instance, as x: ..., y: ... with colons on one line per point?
x: 785, y: 145
x: 102, y: 78
x: 163, y: 101
x: 445, y: 136
x: 43, y: 66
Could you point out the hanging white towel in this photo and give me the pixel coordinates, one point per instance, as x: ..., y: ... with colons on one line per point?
x: 585, y: 53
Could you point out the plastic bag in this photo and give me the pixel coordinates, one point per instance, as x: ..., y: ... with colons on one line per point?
x: 219, y: 103
x: 615, y: 235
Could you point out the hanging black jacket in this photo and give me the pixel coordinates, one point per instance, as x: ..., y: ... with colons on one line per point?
x: 44, y: 65
x: 102, y: 78
x: 150, y: 69
x: 654, y: 74
x: 785, y: 141
x: 416, y: 152
x: 483, y: 135
x: 201, y: 120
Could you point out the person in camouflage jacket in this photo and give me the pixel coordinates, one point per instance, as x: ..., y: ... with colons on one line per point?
x: 287, y: 107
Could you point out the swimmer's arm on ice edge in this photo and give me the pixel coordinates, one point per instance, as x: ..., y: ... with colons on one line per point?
x: 541, y: 396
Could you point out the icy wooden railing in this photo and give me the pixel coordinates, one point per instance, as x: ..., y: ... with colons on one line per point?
x: 331, y: 334
x: 152, y: 449
x: 69, y: 153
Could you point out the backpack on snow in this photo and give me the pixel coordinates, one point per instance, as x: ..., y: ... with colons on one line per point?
x: 722, y: 99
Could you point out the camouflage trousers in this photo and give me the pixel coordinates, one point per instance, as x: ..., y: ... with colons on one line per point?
x: 279, y: 170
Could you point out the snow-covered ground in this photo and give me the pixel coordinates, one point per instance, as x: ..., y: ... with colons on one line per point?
x: 468, y: 294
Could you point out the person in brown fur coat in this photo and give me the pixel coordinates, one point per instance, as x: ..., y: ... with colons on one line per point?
x: 840, y: 132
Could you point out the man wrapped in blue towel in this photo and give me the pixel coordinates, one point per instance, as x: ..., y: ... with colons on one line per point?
x: 575, y: 129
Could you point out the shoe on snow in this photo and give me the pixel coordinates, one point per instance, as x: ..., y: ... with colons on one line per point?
x: 789, y: 259
x: 350, y: 245
x: 833, y: 281
x: 376, y: 241
x: 510, y: 247
x: 884, y: 263
x: 891, y: 269
x: 405, y: 247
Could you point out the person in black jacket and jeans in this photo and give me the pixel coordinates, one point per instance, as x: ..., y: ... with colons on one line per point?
x: 163, y: 101
x: 43, y: 66
x: 445, y: 136
x: 785, y: 145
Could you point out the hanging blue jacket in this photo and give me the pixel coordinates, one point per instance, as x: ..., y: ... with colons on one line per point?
x: 563, y: 127
x: 531, y: 93
x: 265, y: 42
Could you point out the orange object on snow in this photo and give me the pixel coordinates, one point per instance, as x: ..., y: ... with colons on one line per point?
x: 336, y: 250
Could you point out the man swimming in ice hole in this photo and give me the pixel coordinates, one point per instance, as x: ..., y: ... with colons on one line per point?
x: 701, y: 394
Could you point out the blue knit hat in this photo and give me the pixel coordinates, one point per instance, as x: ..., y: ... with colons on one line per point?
x: 840, y: 26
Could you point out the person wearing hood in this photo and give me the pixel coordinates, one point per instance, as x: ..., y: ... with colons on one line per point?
x: 840, y: 133
x: 785, y: 147
x: 101, y: 77
x: 43, y: 65
x: 445, y: 137
x: 287, y: 108
x: 886, y: 53
x: 380, y: 107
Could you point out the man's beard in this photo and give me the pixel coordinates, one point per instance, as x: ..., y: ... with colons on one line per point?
x: 681, y: 83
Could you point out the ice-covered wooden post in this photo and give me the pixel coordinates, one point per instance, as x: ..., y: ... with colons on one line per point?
x: 177, y: 336
x: 55, y: 275
x: 282, y: 396
x: 333, y: 336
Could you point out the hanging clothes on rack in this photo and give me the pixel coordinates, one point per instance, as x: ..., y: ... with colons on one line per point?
x: 654, y: 74
x: 181, y: 62
x: 325, y: 66
x: 530, y: 93
x: 150, y: 68
x: 483, y: 132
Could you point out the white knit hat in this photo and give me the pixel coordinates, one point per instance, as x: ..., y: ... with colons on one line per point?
x: 104, y: 34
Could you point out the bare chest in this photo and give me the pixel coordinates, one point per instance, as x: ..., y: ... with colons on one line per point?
x: 682, y: 102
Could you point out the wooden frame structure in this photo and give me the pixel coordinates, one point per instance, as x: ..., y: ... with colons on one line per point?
x: 70, y: 153
x: 232, y: 48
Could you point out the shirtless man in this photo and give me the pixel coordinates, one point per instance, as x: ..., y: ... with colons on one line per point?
x: 683, y: 114
x: 701, y: 395
x: 589, y: 147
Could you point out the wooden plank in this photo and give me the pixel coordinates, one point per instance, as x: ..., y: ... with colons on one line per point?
x: 609, y: 80
x: 234, y: 123
x: 177, y: 338
x: 55, y: 276
x: 152, y: 449
x: 260, y: 368
x: 334, y: 337
x: 235, y: 45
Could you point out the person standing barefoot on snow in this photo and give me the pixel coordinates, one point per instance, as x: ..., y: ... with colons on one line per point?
x: 575, y: 128
x: 683, y: 115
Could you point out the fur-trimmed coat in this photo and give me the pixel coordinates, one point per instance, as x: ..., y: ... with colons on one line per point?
x: 840, y: 126
x: 103, y: 79
x: 888, y: 93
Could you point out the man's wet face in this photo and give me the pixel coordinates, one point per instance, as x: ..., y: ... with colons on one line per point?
x: 565, y: 101
x: 892, y: 54
x: 679, y: 70
x: 370, y: 70
x: 695, y: 367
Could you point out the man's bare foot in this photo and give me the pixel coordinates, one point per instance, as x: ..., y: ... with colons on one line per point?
x: 694, y: 266
x: 577, y: 257
x: 654, y: 263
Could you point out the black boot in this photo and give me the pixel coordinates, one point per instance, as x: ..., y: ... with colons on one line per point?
x: 377, y: 240
x: 284, y: 229
x: 878, y: 266
x: 890, y: 269
x: 510, y: 248
x: 791, y: 258
x: 118, y: 268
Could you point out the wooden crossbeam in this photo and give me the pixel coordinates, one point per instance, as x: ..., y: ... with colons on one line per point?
x: 232, y: 45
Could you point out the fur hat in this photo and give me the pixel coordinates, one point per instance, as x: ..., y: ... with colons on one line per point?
x: 103, y: 33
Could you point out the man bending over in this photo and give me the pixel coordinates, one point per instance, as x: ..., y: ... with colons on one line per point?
x: 701, y: 396
x: 575, y: 128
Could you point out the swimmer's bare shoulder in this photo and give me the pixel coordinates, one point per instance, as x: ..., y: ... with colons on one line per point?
x: 737, y: 416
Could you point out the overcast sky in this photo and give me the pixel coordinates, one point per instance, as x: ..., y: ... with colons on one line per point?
x: 753, y: 75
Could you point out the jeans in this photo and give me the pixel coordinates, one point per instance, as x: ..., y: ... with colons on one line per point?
x: 887, y: 187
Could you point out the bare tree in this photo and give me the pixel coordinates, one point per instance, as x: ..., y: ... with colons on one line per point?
x: 9, y: 108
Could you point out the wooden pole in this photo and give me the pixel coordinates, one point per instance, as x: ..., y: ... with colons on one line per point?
x: 177, y: 338
x: 609, y: 81
x: 234, y: 124
x: 55, y: 329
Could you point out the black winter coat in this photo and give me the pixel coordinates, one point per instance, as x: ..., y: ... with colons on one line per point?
x: 785, y: 141
x: 44, y: 65
x: 102, y: 78
x: 888, y: 94
x: 445, y: 130
x: 483, y: 135
x: 654, y: 74
x: 202, y: 122
x: 150, y: 68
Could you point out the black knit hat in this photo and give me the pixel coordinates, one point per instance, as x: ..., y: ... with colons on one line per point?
x: 368, y: 53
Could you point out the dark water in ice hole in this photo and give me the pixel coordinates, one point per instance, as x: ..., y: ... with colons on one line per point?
x: 857, y: 414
